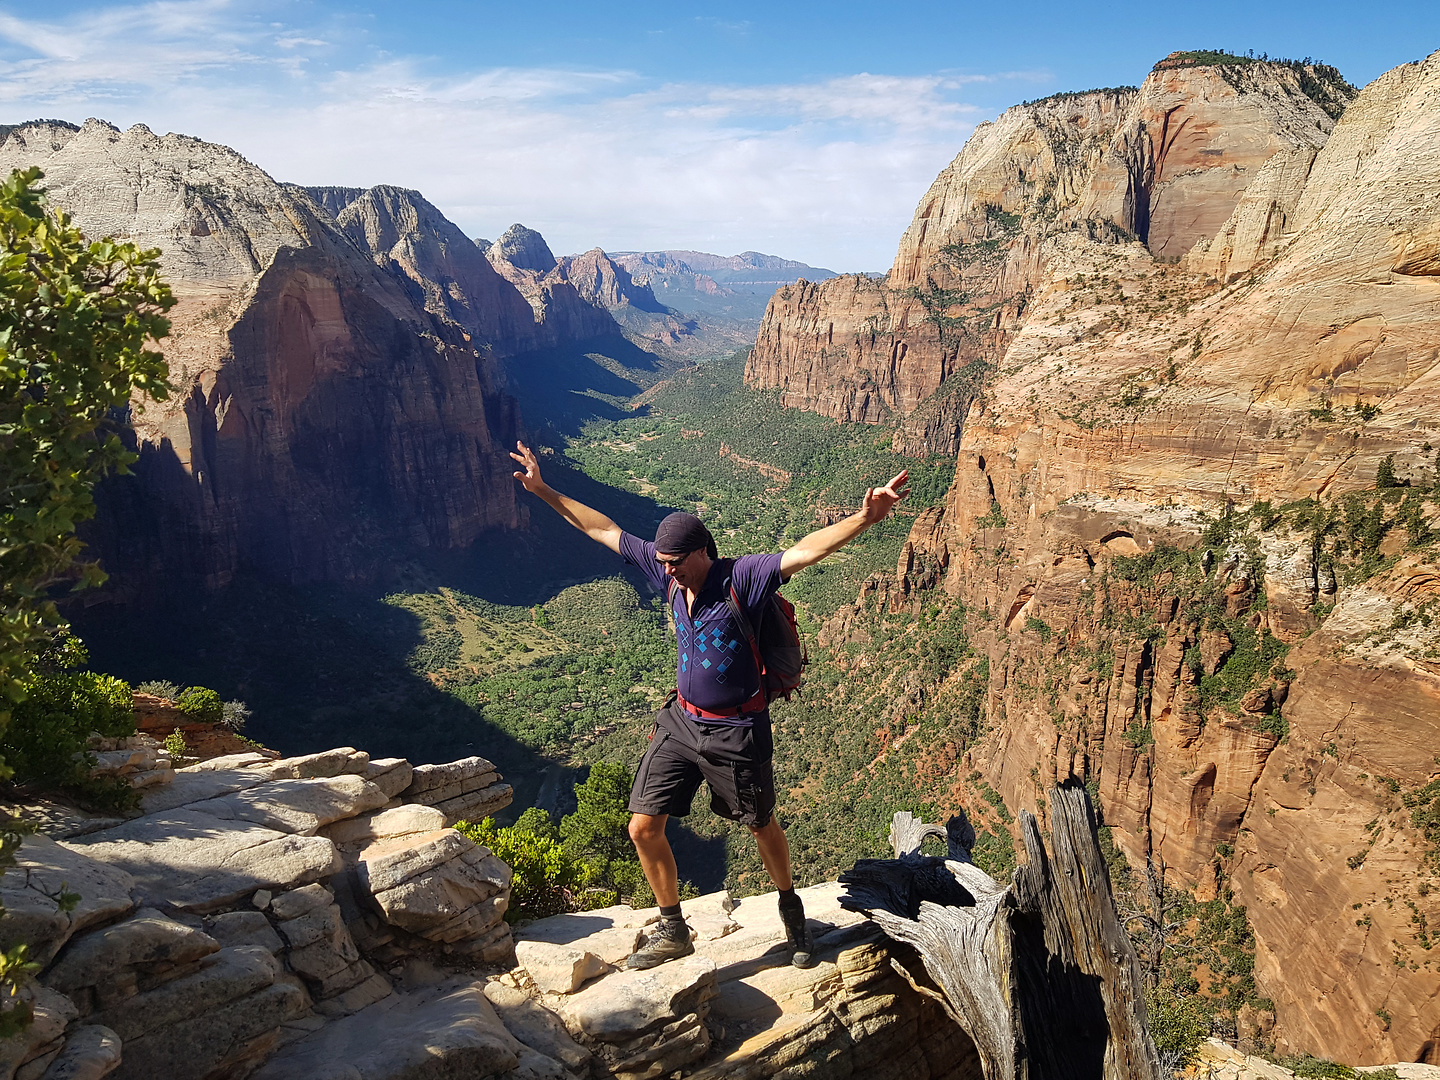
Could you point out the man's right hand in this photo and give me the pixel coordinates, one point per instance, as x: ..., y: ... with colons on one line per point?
x: 530, y: 477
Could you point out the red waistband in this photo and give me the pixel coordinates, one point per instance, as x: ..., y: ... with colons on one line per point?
x: 706, y: 714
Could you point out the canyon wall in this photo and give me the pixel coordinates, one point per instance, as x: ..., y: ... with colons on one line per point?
x: 1165, y: 525
x: 1164, y: 164
x: 338, y: 357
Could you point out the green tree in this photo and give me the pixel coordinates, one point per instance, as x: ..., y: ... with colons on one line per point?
x: 63, y: 705
x: 598, y: 834
x: 75, y: 321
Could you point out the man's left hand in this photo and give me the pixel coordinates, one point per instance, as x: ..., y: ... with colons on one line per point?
x: 880, y: 501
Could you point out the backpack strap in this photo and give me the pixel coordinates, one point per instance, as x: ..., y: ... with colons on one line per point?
x: 760, y: 700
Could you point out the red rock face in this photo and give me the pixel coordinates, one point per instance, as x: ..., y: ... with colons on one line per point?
x: 324, y: 418
x: 1166, y: 165
x: 1134, y: 397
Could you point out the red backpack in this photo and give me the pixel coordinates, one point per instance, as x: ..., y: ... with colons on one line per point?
x: 779, y: 650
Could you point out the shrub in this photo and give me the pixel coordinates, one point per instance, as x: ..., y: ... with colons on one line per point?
x: 201, y: 703
x: 176, y: 746
x: 75, y: 319
x: 547, y: 878
x: 235, y: 714
x: 1177, y: 1024
x: 63, y: 706
x: 161, y: 688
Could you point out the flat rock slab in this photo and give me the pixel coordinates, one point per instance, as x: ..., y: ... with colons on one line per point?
x: 225, y: 977
x: 411, y: 820
x: 445, y: 1031
x: 537, y: 1027
x: 91, y: 1052
x: 27, y: 890
x: 630, y: 1003
x: 226, y: 761
x: 202, y: 863
x: 297, y: 806
x: 227, y: 1041
x: 148, y: 940
x: 188, y: 787
x: 342, y: 760
x: 559, y: 969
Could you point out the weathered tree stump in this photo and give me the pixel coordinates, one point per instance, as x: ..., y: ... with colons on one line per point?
x: 1039, y: 973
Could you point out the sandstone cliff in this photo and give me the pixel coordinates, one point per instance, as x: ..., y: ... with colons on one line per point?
x: 340, y: 356
x: 1165, y: 528
x: 1165, y: 165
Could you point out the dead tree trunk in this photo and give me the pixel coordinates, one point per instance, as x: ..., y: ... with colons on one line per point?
x: 1040, y: 972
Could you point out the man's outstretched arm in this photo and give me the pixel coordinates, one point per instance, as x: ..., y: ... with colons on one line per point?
x: 877, y: 506
x: 591, y: 522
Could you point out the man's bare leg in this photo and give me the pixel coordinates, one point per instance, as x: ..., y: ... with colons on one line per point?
x: 656, y: 859
x: 774, y: 852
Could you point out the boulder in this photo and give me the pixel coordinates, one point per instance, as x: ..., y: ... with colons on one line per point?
x: 321, y: 948
x: 425, y: 778
x: 441, y: 885
x: 559, y: 969
x: 297, y: 806
x: 244, y: 928
x: 630, y: 1004
x: 477, y: 805
x: 90, y: 1052
x: 200, y: 862
x: 537, y: 1027
x: 43, y: 1038
x: 228, y: 1040
x: 408, y: 820
x: 327, y: 763
x: 297, y: 902
x: 28, y: 891
x: 101, y: 968
x: 392, y: 775
x: 447, y: 1030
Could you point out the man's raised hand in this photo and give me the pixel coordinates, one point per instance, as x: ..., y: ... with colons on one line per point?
x: 880, y: 501
x: 530, y: 477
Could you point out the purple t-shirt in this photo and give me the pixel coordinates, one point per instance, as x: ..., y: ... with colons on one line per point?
x: 716, y: 669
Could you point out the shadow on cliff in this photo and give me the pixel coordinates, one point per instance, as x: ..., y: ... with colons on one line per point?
x: 563, y: 388
x: 319, y: 667
x: 529, y: 566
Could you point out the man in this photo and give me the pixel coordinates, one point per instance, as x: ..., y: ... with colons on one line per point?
x: 716, y: 726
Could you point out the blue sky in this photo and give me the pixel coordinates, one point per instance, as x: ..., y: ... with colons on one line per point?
x: 805, y: 130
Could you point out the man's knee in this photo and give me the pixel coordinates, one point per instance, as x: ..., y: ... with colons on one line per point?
x: 646, y: 828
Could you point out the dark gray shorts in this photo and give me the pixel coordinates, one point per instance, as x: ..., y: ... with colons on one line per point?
x: 735, y: 761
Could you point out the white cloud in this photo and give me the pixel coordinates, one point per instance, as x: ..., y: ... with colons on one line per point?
x: 825, y: 171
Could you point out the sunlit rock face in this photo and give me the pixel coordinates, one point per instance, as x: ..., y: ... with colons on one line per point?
x: 1287, y: 355
x: 337, y: 396
x: 1165, y: 164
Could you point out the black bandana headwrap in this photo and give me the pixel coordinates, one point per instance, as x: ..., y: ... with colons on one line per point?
x: 680, y: 534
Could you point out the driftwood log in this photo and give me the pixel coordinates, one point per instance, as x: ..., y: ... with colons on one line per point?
x: 1039, y: 972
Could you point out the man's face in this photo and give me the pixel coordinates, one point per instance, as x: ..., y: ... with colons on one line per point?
x: 688, y: 570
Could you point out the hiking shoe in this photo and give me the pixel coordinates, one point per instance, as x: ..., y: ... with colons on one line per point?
x: 797, y: 934
x: 670, y: 940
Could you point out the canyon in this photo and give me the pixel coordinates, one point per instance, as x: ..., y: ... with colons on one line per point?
x: 1181, y: 340
x: 1141, y: 319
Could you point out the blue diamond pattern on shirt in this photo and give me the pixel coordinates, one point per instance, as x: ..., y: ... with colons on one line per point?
x: 700, y: 645
x: 725, y: 663
x: 734, y: 644
x: 704, y: 663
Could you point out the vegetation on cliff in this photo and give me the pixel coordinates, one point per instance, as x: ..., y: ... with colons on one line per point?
x: 76, y: 320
